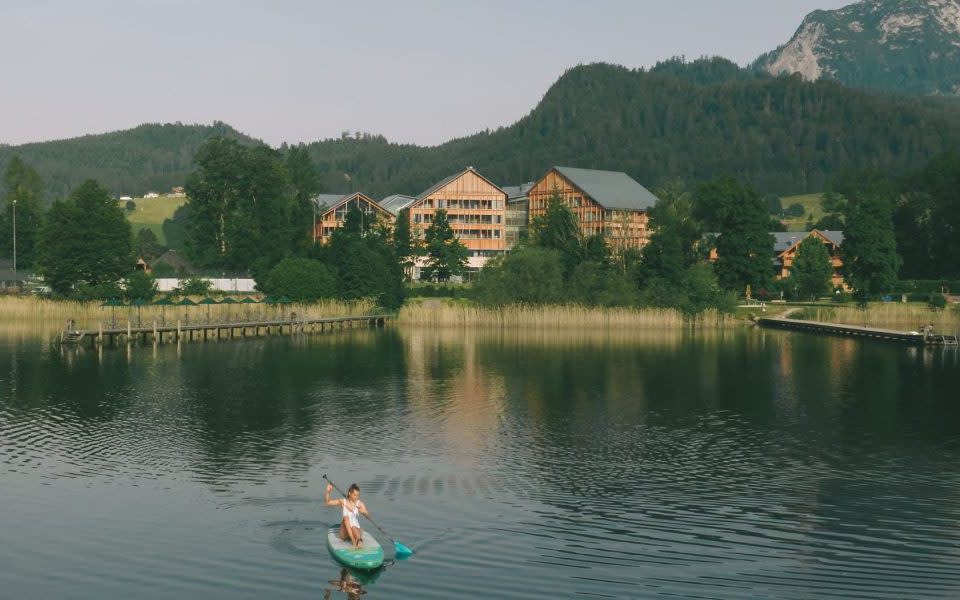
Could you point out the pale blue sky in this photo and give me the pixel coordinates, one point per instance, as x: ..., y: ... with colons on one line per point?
x: 419, y: 71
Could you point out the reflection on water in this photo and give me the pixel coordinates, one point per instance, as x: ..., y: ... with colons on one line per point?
x: 534, y: 464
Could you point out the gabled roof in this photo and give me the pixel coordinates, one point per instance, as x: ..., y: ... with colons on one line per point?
x: 433, y: 188
x: 330, y: 206
x: 788, y: 239
x: 610, y: 189
x: 396, y: 202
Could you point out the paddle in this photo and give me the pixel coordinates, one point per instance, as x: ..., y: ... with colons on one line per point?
x: 400, y: 551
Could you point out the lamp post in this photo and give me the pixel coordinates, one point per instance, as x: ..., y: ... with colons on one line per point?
x: 14, y: 204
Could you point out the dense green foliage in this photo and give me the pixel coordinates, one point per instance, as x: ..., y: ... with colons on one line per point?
x: 364, y: 262
x: 405, y: 247
x: 446, y: 255
x: 139, y: 285
x: 147, y: 246
x: 744, y: 245
x: 85, y: 241
x: 927, y: 220
x: 245, y: 212
x: 901, y: 46
x: 300, y: 279
x: 672, y: 272
x: 529, y: 275
x: 130, y: 162
x: 21, y: 186
x: 557, y: 229
x: 811, y: 271
x: 869, y: 248
x: 783, y: 135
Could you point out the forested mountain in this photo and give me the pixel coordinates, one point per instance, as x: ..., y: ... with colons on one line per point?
x: 903, y: 46
x: 134, y: 161
x: 784, y: 134
x: 684, y: 120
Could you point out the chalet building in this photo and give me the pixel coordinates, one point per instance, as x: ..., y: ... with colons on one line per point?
x: 518, y: 213
x: 476, y: 211
x: 605, y: 202
x: 332, y: 209
x: 788, y: 243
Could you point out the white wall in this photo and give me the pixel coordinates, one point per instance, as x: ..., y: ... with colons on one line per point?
x: 235, y: 285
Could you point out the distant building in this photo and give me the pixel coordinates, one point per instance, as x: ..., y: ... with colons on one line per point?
x: 177, y: 263
x: 125, y: 198
x: 476, y: 211
x: 151, y: 195
x: 8, y: 279
x: 178, y: 192
x: 332, y: 210
x: 609, y: 203
x: 787, y: 244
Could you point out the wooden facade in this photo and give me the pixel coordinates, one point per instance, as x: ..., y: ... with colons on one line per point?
x: 784, y: 258
x: 476, y: 211
x: 330, y: 218
x: 623, y: 227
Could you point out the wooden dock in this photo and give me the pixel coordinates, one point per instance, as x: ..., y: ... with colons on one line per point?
x: 887, y: 335
x: 158, y: 333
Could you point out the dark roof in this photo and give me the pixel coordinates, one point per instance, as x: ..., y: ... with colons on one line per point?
x: 175, y: 260
x: 397, y: 202
x: 517, y: 192
x: 327, y: 200
x: 786, y: 239
x: 610, y: 189
x: 453, y: 177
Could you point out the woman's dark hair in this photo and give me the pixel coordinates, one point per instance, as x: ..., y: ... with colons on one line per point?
x: 352, y: 487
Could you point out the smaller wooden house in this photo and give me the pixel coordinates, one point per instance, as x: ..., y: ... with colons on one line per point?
x: 332, y: 209
x: 788, y: 243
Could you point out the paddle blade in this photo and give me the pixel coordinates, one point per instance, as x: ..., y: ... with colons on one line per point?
x: 401, y: 550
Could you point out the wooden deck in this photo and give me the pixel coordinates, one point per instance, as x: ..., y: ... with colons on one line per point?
x: 887, y: 335
x: 157, y: 333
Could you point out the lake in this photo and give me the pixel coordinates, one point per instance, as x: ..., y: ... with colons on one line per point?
x: 731, y: 464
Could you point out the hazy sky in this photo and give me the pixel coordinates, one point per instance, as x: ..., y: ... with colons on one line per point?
x: 419, y: 71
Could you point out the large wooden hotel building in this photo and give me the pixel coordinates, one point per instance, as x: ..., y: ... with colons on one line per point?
x: 489, y: 219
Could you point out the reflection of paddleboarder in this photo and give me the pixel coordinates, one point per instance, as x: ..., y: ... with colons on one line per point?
x: 346, y: 584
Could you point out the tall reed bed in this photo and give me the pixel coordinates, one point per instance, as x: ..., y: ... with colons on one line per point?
x: 448, y: 314
x: 905, y: 317
x: 41, y: 314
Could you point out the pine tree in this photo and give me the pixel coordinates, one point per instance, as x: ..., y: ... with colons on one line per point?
x: 870, y: 259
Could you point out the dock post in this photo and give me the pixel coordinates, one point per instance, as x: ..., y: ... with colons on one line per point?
x: 178, y: 331
x: 100, y: 333
x: 128, y: 331
x: 154, y: 331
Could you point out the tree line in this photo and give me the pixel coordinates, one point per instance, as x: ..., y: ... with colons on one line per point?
x: 251, y: 211
x: 690, y: 120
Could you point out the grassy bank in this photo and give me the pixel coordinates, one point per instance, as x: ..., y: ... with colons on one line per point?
x: 152, y: 212
x: 41, y: 315
x: 439, y: 313
x: 904, y: 317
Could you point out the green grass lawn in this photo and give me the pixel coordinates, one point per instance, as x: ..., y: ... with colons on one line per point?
x: 151, y: 213
x: 812, y: 207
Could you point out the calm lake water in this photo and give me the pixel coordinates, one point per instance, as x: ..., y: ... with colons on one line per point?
x: 740, y: 464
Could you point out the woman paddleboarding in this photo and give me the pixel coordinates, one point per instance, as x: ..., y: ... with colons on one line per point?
x: 351, y: 508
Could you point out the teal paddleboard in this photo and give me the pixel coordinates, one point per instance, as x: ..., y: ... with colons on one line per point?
x: 368, y: 556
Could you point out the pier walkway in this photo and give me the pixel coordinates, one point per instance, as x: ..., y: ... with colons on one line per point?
x: 889, y: 335
x: 201, y: 331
